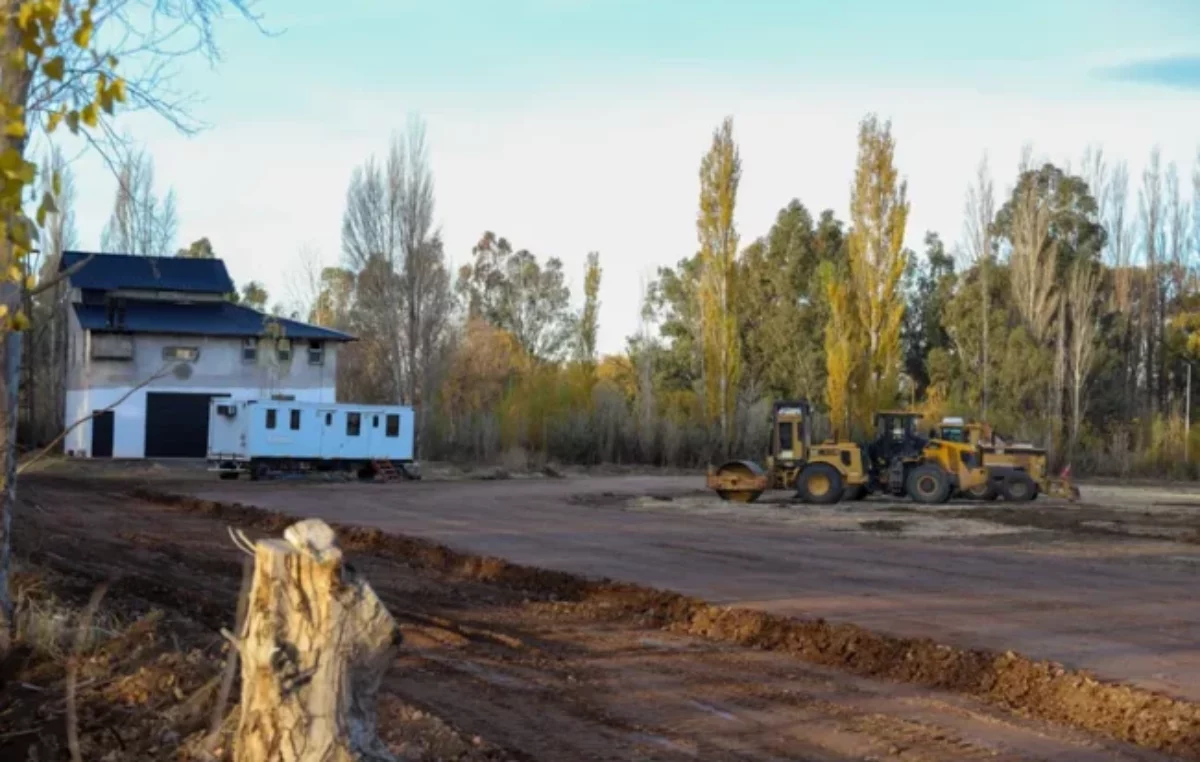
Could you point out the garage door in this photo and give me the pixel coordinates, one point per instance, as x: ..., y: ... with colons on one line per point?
x: 177, y: 425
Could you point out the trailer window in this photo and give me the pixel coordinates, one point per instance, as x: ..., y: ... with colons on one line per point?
x: 295, y: 422
x: 270, y: 418
x: 353, y: 424
x: 393, y: 426
x: 329, y: 419
x: 375, y: 421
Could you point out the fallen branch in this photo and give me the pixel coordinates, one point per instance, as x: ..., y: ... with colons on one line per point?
x: 231, y: 663
x: 85, y: 624
x: 163, y: 371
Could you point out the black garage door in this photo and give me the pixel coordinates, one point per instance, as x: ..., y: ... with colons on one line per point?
x: 177, y: 425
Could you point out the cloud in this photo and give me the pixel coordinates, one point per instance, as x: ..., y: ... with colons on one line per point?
x: 1180, y: 71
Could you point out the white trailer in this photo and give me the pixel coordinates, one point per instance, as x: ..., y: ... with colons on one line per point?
x: 258, y: 437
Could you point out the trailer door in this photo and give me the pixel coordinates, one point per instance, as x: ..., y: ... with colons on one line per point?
x: 331, y: 439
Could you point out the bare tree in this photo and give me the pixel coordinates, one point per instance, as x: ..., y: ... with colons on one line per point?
x: 140, y: 222
x: 1196, y: 205
x: 1176, y: 233
x: 424, y: 279
x: 980, y: 213
x: 302, y: 282
x: 1082, y: 289
x: 45, y: 357
x: 1034, y: 258
x: 1120, y: 236
x: 1152, y: 309
x: 389, y: 240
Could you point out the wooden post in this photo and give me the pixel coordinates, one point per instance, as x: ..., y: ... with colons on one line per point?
x: 316, y: 643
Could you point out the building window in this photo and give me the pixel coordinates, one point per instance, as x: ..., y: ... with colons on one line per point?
x: 316, y: 353
x: 270, y: 418
x: 181, y: 354
x: 353, y: 424
x: 111, y: 346
x: 393, y: 425
x: 283, y: 350
x: 249, y: 349
x: 295, y: 422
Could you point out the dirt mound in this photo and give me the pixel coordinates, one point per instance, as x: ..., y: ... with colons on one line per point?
x: 1042, y: 689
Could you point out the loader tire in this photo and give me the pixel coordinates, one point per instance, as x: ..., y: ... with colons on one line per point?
x: 1020, y: 489
x: 928, y: 484
x: 982, y: 492
x: 819, y: 483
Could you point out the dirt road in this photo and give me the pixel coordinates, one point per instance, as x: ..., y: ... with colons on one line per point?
x: 522, y: 676
x: 1108, y: 586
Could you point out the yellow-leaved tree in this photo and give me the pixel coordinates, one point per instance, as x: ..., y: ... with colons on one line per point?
x: 878, y: 213
x: 840, y: 355
x: 54, y: 74
x: 37, y: 38
x: 720, y: 174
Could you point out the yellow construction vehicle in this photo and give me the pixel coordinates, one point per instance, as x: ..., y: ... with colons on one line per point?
x: 932, y: 470
x: 822, y: 473
x: 898, y: 462
x: 995, y: 451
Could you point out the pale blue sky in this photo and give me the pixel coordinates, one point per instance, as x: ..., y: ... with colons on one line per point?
x: 573, y: 125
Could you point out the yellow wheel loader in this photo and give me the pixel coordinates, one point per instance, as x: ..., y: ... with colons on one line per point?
x: 821, y: 473
x: 994, y: 451
x: 931, y: 470
x: 898, y: 462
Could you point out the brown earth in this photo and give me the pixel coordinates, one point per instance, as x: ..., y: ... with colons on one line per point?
x: 504, y: 661
x: 522, y: 663
x: 1108, y: 585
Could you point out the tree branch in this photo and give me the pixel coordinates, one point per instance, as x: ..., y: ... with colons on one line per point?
x: 85, y: 623
x: 164, y: 370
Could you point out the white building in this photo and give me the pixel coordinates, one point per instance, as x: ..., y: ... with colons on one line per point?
x: 155, y: 338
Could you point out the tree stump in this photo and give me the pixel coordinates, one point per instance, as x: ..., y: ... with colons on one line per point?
x: 314, y: 648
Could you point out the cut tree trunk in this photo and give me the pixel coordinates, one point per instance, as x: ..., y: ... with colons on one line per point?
x: 316, y: 643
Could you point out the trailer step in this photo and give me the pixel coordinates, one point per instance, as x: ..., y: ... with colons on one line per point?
x: 386, y: 470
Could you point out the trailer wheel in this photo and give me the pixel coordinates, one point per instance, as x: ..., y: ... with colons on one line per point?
x: 259, y: 471
x: 819, y: 483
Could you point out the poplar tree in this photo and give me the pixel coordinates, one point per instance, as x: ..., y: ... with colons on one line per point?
x: 720, y: 174
x: 878, y: 212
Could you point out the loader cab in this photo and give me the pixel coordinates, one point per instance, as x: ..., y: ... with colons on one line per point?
x: 790, y: 435
x: 896, y: 437
x: 953, y: 430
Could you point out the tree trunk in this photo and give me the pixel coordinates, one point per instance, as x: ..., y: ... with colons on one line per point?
x: 316, y: 645
x: 10, y: 347
x: 1060, y: 378
x: 987, y: 297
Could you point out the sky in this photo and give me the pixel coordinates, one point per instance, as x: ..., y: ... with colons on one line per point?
x: 571, y: 126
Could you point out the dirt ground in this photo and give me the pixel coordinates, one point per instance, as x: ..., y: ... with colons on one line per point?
x: 1108, y: 584
x: 504, y: 662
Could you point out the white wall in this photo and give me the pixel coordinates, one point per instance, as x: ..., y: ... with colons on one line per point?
x: 129, y: 418
x: 97, y: 384
x: 220, y: 366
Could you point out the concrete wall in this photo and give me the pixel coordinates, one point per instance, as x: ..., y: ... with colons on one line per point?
x: 94, y: 384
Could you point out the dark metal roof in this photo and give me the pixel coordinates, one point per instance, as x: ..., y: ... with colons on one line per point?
x: 109, y: 272
x: 199, y: 319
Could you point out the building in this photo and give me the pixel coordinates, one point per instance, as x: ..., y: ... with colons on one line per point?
x: 155, y: 338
